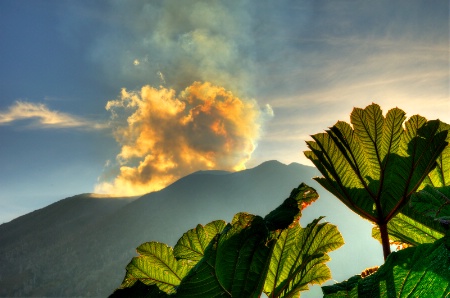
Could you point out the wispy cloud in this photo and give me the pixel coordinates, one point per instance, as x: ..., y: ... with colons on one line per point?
x: 42, y: 117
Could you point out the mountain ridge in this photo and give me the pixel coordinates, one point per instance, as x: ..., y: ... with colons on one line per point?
x: 86, y: 255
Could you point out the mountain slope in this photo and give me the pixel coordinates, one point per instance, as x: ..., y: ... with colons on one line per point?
x: 71, y: 213
x: 29, y: 242
x: 90, y: 260
x: 198, y: 198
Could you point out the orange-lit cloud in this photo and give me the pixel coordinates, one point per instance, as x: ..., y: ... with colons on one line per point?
x: 165, y: 135
x: 44, y: 117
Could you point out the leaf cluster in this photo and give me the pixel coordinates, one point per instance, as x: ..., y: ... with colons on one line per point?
x: 410, y: 228
x: 419, y: 271
x: 376, y: 166
x: 244, y: 258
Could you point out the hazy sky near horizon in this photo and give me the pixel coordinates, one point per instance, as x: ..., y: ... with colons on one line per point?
x: 121, y: 96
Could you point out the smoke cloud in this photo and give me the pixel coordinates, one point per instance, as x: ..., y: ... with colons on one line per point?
x: 174, y: 43
x: 164, y: 135
x: 181, y: 127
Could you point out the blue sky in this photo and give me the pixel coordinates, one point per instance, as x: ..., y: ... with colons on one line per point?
x: 293, y: 68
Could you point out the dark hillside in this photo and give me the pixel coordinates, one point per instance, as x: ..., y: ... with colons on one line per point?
x: 90, y: 259
x: 31, y: 243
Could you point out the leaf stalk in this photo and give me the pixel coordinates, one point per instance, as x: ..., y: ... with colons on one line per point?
x: 385, y: 239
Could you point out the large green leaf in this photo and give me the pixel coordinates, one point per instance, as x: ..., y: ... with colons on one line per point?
x: 236, y: 263
x: 192, y: 245
x: 421, y: 271
x: 440, y: 176
x: 374, y: 166
x: 299, y: 258
x: 433, y: 202
x: 156, y: 265
x: 411, y: 228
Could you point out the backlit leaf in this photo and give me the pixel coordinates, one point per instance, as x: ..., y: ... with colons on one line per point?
x: 440, y: 175
x: 156, y: 265
x: 299, y: 258
x: 193, y: 243
x: 411, y: 228
x: 235, y: 264
x: 374, y: 166
x: 405, y: 231
x: 421, y: 271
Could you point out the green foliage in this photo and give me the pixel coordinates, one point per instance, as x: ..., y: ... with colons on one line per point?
x: 156, y: 265
x: 405, y: 231
x: 235, y: 263
x: 240, y: 259
x: 440, y: 176
x: 421, y: 271
x: 299, y: 258
x: 374, y: 166
x: 433, y: 202
x: 193, y: 243
x: 411, y: 228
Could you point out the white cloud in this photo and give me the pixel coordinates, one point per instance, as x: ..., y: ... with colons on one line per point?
x: 43, y: 117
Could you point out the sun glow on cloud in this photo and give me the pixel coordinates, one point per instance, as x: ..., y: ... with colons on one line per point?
x: 165, y: 135
x: 44, y: 117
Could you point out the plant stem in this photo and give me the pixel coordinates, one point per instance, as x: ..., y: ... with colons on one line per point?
x: 385, y: 239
